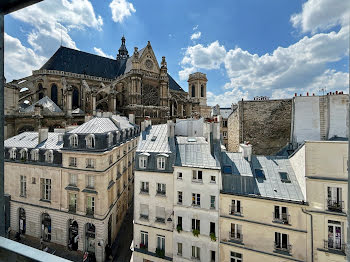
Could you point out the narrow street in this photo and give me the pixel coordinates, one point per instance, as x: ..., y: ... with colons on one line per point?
x: 121, y: 246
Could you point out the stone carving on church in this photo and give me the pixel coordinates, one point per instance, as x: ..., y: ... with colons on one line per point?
x: 150, y: 95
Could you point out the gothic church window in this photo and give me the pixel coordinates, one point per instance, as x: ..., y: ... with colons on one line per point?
x: 202, y: 91
x: 193, y: 91
x: 54, y: 93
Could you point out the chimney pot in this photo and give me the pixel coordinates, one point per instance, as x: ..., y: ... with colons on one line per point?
x: 43, y: 134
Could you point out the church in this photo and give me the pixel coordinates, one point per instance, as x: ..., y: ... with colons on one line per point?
x: 73, y: 84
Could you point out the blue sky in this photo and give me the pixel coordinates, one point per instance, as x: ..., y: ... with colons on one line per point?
x: 247, y: 48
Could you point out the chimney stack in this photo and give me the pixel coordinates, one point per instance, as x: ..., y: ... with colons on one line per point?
x: 132, y: 118
x: 43, y: 134
x: 171, y: 129
x: 246, y: 150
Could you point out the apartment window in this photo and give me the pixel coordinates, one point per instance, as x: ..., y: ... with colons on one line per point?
x: 24, y: 154
x: 334, y: 199
x: 281, y: 242
x: 196, y: 252
x: 236, y: 232
x: 90, y: 141
x: 23, y: 189
x: 161, y: 189
x: 196, y: 199
x: 90, y: 163
x: 110, y: 139
x: 143, y: 161
x: 224, y: 123
x: 179, y: 249
x: 144, y: 187
x: 212, y: 202
x: 90, y: 207
x: 72, y: 161
x: 224, y: 134
x: 335, y: 237
x: 33, y: 180
x: 160, y: 214
x: 73, y: 140
x: 179, y: 221
x: 236, y: 208
x: 197, y: 175
x: 284, y: 177
x: 13, y: 153
x: 236, y: 257
x: 179, y: 175
x: 49, y: 156
x: 35, y: 154
x: 212, y: 228
x: 90, y: 181
x: 73, y: 179
x: 161, y: 163
x: 196, y: 224
x: 110, y: 159
x: 179, y: 197
x: 212, y: 256
x: 160, y: 242
x: 144, y: 211
x: 281, y: 215
x: 45, y: 189
x: 212, y: 179
x: 144, y: 240
x: 73, y: 202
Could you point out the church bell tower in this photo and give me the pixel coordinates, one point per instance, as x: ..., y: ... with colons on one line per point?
x: 122, y: 52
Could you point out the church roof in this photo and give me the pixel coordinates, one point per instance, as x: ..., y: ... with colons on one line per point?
x: 75, y: 61
x: 79, y: 62
x: 47, y: 104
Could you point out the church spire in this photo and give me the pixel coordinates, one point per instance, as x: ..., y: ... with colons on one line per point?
x: 123, y: 52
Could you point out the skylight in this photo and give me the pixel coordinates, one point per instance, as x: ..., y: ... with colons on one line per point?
x: 153, y: 138
x: 259, y: 173
x: 284, y: 177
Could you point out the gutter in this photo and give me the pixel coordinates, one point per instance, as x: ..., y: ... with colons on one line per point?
x: 312, y: 233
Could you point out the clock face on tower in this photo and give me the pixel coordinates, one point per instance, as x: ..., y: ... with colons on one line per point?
x: 149, y: 64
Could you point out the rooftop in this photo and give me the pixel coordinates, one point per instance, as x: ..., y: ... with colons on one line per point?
x: 266, y: 176
x: 46, y: 103
x: 30, y: 140
x: 154, y: 139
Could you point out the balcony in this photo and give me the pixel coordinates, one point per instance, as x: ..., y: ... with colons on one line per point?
x: 335, y: 205
x: 144, y: 191
x: 236, y: 237
x: 234, y: 211
x: 160, y: 220
x: 90, y: 211
x: 333, y: 247
x: 72, y: 208
x: 144, y: 217
x: 144, y: 246
x: 282, y: 247
x: 161, y: 192
x: 281, y: 219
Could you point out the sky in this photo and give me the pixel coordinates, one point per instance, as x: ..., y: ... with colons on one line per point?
x: 247, y: 48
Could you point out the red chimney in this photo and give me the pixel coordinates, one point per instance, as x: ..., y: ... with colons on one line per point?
x: 307, y: 93
x: 295, y: 94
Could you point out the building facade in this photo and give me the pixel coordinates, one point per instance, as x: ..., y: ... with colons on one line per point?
x: 72, y: 187
x: 82, y: 84
x: 222, y: 114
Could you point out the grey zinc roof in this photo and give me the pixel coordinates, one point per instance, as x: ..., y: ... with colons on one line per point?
x: 97, y: 125
x: 160, y: 143
x: 271, y: 185
x: 30, y: 140
x: 225, y: 112
x: 194, y: 152
x: 47, y: 104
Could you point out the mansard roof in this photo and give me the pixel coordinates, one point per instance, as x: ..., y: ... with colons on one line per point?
x: 30, y: 140
x: 79, y: 62
x: 154, y: 140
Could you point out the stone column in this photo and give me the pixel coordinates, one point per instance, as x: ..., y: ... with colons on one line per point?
x: 69, y: 101
x: 114, y: 103
x: 181, y: 110
x: 94, y: 103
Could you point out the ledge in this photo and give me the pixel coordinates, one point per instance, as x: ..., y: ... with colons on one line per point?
x: 46, y: 201
x: 111, y: 183
x: 153, y: 254
x: 332, y: 251
x: 72, y: 188
x: 90, y: 191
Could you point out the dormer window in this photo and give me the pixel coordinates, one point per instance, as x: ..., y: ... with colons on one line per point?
x: 24, y: 154
x: 90, y: 141
x: 118, y: 136
x: 13, y: 152
x: 49, y: 156
x: 143, y: 159
x: 35, y: 154
x: 73, y: 140
x: 161, y: 163
x: 110, y: 138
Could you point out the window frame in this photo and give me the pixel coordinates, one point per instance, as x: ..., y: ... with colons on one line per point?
x: 161, y: 160
x: 23, y: 186
x: 46, y: 188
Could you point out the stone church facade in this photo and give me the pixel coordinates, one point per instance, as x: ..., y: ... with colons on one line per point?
x: 81, y: 84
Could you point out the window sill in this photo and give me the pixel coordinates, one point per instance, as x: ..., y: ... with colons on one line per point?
x: 160, y: 194
x: 212, y: 182
x: 180, y: 204
x: 24, y: 196
x: 197, y: 181
x: 144, y: 193
x: 45, y: 200
x: 196, y: 206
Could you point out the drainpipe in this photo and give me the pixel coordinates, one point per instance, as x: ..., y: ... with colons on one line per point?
x: 312, y: 233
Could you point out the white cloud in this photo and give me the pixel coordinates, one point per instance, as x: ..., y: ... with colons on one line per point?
x: 196, y: 35
x: 99, y: 52
x: 318, y: 15
x: 121, y: 9
x: 227, y: 98
x: 19, y: 60
x: 195, y: 27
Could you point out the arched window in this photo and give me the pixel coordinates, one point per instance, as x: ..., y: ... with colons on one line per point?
x: 35, y: 154
x: 46, y: 227
x: 161, y: 161
x: 13, y: 153
x: 143, y: 160
x: 193, y: 89
x: 24, y: 154
x: 90, y: 141
x: 118, y: 136
x: 54, y: 93
x: 75, y: 98
x: 110, y: 138
x: 41, y: 91
x: 49, y: 156
x: 202, y: 91
x: 73, y: 140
